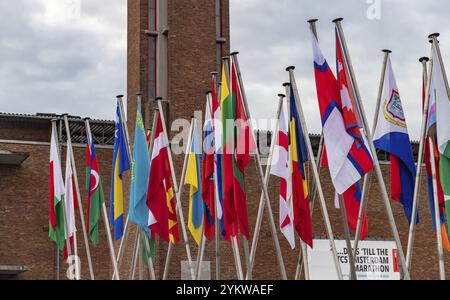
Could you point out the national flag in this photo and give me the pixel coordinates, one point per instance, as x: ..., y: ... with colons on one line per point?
x: 121, y: 164
x: 349, y: 160
x: 217, y: 128
x: 56, y: 196
x: 281, y: 167
x: 193, y: 178
x: 96, y: 197
x: 391, y: 135
x: 300, y: 189
x: 208, y: 190
x: 228, y: 108
x: 161, y: 202
x: 140, y: 172
x: 439, y: 95
x: 243, y: 147
x: 70, y: 203
x: 429, y: 176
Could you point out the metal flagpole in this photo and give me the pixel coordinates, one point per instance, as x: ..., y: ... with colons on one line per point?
x: 373, y: 151
x: 77, y: 189
x: 66, y: 233
x: 303, y: 248
x: 244, y: 241
x: 135, y: 256
x: 237, y: 257
x: 104, y: 211
x: 261, y: 174
x: 420, y: 157
x: 216, y: 192
x: 176, y: 189
x: 182, y: 179
x: 266, y: 182
x: 147, y: 245
x: 127, y: 222
x: 437, y: 215
x: 201, y: 252
x: 364, y: 201
x: 351, y: 258
x: 435, y: 43
x: 302, y: 262
x: 316, y: 173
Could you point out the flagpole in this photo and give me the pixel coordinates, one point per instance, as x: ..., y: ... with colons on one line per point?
x: 420, y: 157
x: 364, y: 199
x: 437, y: 215
x: 380, y: 178
x: 216, y: 195
x: 142, y: 232
x: 303, y: 248
x: 125, y: 230
x: 147, y: 245
x: 177, y: 190
x: 435, y: 43
x: 104, y: 211
x: 351, y: 258
x: 68, y: 247
x: 182, y: 179
x: 135, y: 256
x: 80, y: 204
x: 201, y: 252
x: 316, y: 174
x: 266, y: 182
x: 260, y: 175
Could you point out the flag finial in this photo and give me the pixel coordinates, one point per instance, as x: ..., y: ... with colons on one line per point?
x: 386, y: 51
x: 208, y: 92
x: 119, y: 96
x: 424, y: 59
x: 86, y: 119
x: 290, y: 68
x: 286, y: 84
x: 436, y: 34
x: 139, y: 94
x: 282, y: 95
x: 337, y: 20
x: 158, y: 99
x: 234, y: 53
x: 312, y: 21
x: 214, y: 73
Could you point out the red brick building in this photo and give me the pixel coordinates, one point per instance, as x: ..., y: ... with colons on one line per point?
x: 173, y: 46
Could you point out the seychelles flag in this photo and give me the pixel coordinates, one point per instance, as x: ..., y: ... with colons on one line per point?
x: 391, y: 135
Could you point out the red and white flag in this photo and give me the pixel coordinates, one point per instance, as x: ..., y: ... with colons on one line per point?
x: 282, y: 169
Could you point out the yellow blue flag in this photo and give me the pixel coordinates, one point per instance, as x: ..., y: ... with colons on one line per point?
x: 196, y: 209
x: 121, y: 164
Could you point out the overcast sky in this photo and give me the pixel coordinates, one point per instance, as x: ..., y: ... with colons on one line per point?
x: 56, y: 58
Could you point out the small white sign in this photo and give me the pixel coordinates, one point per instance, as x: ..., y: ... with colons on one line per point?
x: 376, y: 260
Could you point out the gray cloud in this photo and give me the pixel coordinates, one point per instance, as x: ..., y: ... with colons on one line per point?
x: 271, y: 35
x: 54, y: 61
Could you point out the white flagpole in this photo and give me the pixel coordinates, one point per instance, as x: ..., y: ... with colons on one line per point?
x: 435, y: 43
x: 437, y: 215
x: 379, y: 174
x: 315, y: 172
x: 351, y: 258
x: 177, y: 193
x: 420, y: 158
x: 260, y: 176
x: 105, y: 213
x: 135, y: 256
x: 66, y: 224
x: 266, y: 182
x: 216, y: 194
x: 364, y: 194
x: 80, y: 204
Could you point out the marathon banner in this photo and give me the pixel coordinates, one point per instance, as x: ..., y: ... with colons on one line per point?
x: 375, y: 260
